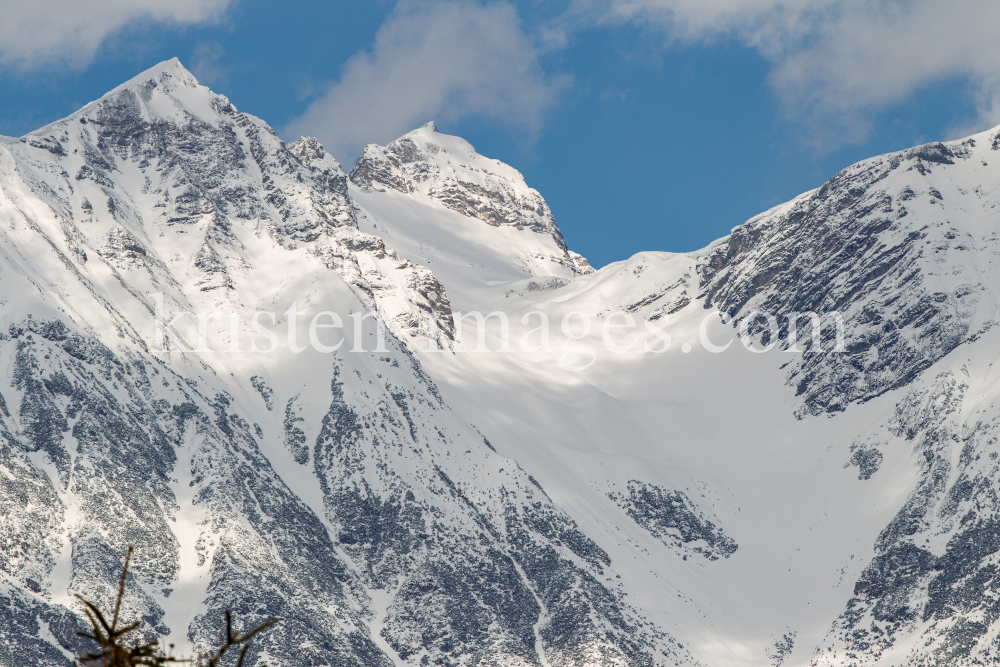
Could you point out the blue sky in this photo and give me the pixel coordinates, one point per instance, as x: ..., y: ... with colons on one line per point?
x: 646, y: 124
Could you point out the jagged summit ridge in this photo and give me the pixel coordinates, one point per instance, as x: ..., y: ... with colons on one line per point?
x: 161, y: 122
x: 163, y: 157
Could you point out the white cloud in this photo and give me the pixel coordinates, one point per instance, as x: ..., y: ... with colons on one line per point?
x: 40, y: 32
x: 433, y: 60
x: 834, y: 63
x: 205, y: 63
x: 988, y: 108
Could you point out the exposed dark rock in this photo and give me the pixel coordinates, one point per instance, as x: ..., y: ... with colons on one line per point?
x: 674, y: 520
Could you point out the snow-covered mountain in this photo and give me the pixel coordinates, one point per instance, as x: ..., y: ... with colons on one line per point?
x: 627, y: 496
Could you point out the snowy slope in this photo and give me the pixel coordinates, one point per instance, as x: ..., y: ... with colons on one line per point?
x: 432, y: 502
x: 825, y: 512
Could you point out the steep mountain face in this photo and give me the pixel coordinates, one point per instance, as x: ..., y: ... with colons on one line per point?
x: 189, y: 370
x: 904, y: 246
x: 336, y: 491
x: 900, y: 245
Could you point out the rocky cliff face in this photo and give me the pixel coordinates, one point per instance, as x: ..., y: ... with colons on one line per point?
x: 900, y: 245
x: 410, y: 503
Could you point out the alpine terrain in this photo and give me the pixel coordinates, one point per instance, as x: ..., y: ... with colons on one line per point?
x: 391, y: 408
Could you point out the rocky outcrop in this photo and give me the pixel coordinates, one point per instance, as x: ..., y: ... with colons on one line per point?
x: 674, y: 520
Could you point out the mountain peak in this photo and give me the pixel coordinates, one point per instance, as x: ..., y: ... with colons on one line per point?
x: 170, y: 68
x: 448, y: 169
x: 173, y: 67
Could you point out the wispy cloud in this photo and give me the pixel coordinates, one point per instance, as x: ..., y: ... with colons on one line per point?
x: 36, y: 33
x: 834, y: 63
x: 987, y: 108
x: 612, y: 93
x: 206, y: 63
x: 434, y: 60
